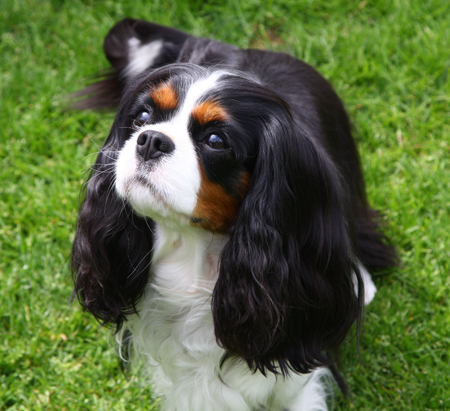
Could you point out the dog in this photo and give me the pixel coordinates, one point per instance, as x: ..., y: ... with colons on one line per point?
x: 225, y: 231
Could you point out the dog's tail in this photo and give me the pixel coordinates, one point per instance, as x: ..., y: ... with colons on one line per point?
x: 132, y: 47
x: 374, y: 249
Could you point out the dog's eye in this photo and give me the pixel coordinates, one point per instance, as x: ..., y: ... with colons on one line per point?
x: 141, y: 119
x: 215, y: 142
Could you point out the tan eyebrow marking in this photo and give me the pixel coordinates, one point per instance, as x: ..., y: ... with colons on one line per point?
x: 165, y: 97
x: 209, y: 111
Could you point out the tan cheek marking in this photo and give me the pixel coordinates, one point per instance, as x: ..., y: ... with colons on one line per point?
x: 165, y: 97
x: 209, y: 111
x: 215, y: 208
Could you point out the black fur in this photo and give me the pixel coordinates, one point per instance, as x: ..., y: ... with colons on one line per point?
x: 285, y: 293
x: 111, y: 252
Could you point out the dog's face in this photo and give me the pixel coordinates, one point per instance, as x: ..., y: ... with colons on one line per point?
x: 184, y: 160
x: 191, y: 138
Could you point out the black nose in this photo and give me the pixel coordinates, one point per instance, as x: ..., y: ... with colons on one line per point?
x: 153, y: 144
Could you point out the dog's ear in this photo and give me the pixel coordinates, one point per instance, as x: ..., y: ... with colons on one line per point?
x: 132, y: 47
x: 286, y: 287
x: 112, y: 249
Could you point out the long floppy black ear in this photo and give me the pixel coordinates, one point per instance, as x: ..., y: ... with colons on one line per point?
x: 286, y: 287
x: 112, y: 249
x: 132, y: 47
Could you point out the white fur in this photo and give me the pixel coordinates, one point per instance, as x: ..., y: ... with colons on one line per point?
x: 174, y: 337
x: 370, y: 288
x: 172, y: 184
x: 141, y: 56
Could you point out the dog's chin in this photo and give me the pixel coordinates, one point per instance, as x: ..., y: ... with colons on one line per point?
x: 147, y: 201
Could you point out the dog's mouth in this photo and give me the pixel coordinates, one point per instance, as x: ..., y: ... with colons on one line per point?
x: 148, y: 200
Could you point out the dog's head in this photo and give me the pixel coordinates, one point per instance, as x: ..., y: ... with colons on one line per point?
x: 186, y: 153
x: 203, y: 149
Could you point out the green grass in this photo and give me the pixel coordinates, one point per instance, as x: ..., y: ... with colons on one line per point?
x: 388, y: 59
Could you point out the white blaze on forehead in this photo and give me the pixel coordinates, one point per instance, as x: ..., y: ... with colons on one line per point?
x: 140, y: 56
x: 195, y: 92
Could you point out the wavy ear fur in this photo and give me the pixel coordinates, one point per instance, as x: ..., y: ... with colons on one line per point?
x: 111, y: 252
x: 286, y: 291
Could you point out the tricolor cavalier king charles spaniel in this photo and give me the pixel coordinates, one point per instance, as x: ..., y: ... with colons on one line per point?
x: 225, y: 230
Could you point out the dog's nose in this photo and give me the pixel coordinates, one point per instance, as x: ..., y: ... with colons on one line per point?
x: 153, y: 144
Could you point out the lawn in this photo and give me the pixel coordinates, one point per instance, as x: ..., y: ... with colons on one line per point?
x: 388, y: 59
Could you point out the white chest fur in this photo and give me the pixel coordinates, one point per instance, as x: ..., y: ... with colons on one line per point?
x: 174, y: 336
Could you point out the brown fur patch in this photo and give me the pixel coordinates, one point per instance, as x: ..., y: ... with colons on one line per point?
x: 215, y: 208
x: 209, y: 111
x: 164, y: 97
